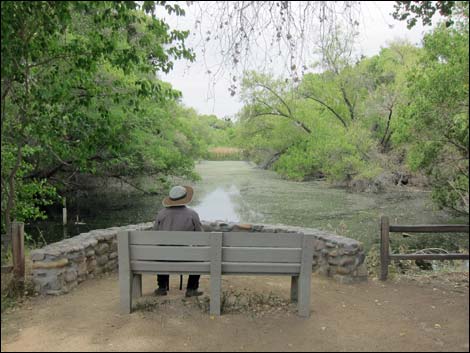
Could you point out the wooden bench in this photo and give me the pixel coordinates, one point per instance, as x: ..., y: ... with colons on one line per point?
x: 215, y: 254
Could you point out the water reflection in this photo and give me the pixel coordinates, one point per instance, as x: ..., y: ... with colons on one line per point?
x: 219, y: 204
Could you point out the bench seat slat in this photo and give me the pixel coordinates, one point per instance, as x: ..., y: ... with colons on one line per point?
x: 274, y: 240
x: 171, y: 253
x: 169, y: 238
x: 258, y: 254
x: 259, y: 268
x: 233, y: 268
x: 170, y: 267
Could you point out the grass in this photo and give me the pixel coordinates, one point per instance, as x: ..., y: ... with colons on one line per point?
x: 12, y: 291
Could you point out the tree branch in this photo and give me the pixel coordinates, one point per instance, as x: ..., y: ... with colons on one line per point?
x: 277, y: 96
x: 327, y: 107
x: 133, y: 185
x: 275, y: 111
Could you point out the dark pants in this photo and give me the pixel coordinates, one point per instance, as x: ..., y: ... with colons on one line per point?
x: 164, y: 282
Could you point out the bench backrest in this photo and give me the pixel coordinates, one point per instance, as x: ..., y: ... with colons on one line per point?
x: 193, y: 252
x: 258, y: 253
x: 166, y: 252
x: 213, y: 253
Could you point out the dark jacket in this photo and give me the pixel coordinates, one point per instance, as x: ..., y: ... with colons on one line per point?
x: 177, y: 218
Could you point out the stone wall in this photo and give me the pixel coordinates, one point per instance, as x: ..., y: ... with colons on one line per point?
x: 333, y: 256
x: 61, y: 266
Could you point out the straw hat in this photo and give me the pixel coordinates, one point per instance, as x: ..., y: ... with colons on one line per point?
x: 179, y: 196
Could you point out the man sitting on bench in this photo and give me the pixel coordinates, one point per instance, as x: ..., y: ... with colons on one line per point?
x: 177, y: 217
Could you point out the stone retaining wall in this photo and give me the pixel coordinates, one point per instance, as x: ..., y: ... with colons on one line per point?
x: 61, y: 266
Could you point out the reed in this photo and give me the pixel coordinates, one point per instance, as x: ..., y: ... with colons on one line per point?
x: 225, y: 154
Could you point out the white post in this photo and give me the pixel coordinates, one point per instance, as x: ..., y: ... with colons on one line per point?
x: 64, y: 213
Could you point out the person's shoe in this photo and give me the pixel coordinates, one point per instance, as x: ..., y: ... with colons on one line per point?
x: 193, y: 293
x: 160, y: 292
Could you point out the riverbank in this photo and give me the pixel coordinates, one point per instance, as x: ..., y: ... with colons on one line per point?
x: 398, y: 315
x: 237, y: 191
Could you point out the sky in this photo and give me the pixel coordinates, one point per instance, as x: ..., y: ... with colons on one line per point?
x: 377, y: 28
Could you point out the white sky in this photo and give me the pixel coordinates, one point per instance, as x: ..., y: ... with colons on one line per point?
x: 377, y: 28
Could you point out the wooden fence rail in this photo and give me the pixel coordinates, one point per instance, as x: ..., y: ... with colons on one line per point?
x: 386, y: 229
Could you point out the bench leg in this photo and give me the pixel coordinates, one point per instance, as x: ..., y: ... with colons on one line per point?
x: 294, y: 289
x: 125, y: 288
x: 137, y: 286
x: 304, y: 296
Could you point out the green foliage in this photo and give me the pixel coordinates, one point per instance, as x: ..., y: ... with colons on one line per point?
x: 405, y: 108
x: 435, y: 122
x: 213, y: 131
x: 411, y: 11
x: 298, y: 162
x: 338, y: 154
x: 310, y: 130
x: 30, y: 195
x: 385, y: 76
x: 80, y: 95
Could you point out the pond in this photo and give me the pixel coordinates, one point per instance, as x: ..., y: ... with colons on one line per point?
x: 237, y: 191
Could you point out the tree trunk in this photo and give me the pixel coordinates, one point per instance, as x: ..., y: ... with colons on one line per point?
x: 387, y: 134
x: 11, y: 191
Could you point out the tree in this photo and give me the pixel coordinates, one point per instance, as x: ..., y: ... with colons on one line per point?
x: 279, y: 125
x: 271, y: 97
x: 386, y: 77
x: 337, y: 78
x: 436, y: 121
x: 63, y: 63
x: 411, y: 11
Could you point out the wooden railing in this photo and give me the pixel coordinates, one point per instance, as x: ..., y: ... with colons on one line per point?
x: 386, y: 229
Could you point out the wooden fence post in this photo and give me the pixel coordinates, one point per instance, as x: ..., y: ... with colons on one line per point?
x: 384, y: 247
x: 17, y: 241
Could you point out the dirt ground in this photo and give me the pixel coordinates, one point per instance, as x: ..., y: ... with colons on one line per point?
x: 404, y: 315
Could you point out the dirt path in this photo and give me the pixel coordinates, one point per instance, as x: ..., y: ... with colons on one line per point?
x: 396, y: 316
